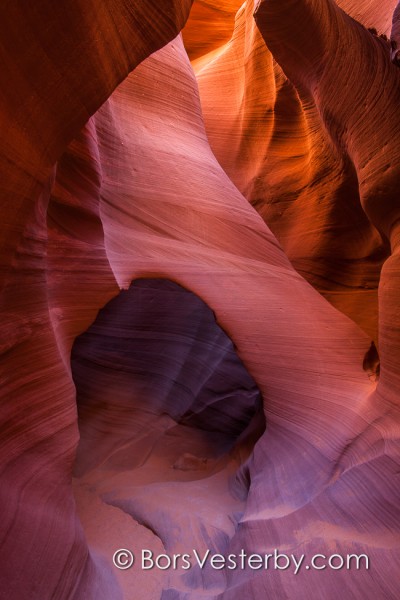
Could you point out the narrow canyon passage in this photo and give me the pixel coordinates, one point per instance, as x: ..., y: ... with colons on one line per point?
x: 166, y: 410
x: 200, y: 325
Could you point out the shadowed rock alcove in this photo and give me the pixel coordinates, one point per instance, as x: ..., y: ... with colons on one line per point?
x: 167, y: 411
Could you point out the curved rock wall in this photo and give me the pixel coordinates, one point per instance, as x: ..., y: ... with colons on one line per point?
x: 59, y: 64
x: 271, y: 141
x: 145, y: 188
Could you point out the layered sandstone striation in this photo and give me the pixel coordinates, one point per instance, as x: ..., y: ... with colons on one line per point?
x: 59, y: 64
x: 269, y: 138
x: 170, y: 378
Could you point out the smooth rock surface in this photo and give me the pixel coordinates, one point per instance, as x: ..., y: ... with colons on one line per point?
x: 149, y: 312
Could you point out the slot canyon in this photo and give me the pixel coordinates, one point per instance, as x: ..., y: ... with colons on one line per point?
x: 200, y: 300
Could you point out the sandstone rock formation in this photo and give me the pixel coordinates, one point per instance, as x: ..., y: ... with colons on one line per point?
x: 149, y: 311
x: 395, y: 36
x: 269, y: 138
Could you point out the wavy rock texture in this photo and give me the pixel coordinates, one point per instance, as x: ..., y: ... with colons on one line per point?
x: 210, y: 25
x: 270, y: 140
x: 166, y: 410
x: 55, y: 281
x: 208, y: 239
x: 173, y: 454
